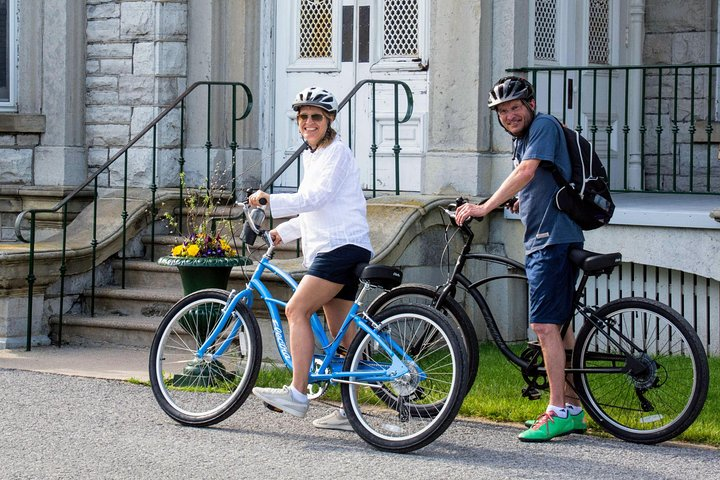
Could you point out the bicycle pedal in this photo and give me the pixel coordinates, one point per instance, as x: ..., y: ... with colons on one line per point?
x: 531, y: 393
x: 272, y: 408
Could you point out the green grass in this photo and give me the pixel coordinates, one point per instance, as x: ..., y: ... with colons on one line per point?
x: 496, y: 395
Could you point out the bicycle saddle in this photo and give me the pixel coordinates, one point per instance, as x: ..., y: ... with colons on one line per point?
x: 595, y: 263
x: 381, y: 276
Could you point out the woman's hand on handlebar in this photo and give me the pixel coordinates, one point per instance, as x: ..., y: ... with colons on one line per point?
x: 275, y: 237
x: 258, y: 198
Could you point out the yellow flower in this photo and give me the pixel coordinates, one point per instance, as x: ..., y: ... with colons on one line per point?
x: 205, y: 230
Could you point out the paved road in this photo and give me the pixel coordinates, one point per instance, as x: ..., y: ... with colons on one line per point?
x: 59, y: 426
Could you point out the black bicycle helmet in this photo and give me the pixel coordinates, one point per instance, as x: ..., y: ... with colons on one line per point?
x: 510, y: 88
x: 316, y: 97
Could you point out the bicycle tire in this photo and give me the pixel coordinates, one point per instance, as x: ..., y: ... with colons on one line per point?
x: 437, y: 377
x: 664, y: 399
x: 203, y: 392
x: 418, y: 294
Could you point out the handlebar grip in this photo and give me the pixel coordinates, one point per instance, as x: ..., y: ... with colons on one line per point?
x: 263, y: 201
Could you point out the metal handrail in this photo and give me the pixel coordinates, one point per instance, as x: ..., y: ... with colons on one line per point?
x: 93, y: 179
x: 396, y: 149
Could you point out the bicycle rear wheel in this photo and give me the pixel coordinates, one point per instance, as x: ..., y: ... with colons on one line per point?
x: 203, y: 391
x: 435, y: 380
x: 665, y: 392
x: 418, y: 294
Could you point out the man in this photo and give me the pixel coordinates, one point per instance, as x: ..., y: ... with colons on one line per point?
x: 549, y: 235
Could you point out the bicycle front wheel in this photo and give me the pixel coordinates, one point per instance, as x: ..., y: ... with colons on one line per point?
x: 390, y: 415
x: 202, y: 391
x: 665, y: 376
x: 418, y: 294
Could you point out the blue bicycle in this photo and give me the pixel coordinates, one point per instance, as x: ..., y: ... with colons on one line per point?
x: 401, y: 380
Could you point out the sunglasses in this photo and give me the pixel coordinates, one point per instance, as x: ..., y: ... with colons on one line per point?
x: 316, y: 117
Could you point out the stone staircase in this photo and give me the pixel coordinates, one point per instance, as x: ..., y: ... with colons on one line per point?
x: 401, y: 233
x: 130, y: 316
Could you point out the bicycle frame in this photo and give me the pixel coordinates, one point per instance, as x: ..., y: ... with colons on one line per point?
x: 329, y: 362
x: 631, y: 364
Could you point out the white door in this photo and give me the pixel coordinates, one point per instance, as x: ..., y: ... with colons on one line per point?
x: 582, y: 33
x: 334, y: 44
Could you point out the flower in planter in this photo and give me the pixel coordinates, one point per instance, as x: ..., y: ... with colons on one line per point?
x: 206, y: 232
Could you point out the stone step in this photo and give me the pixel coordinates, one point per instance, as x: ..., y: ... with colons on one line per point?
x: 132, y: 331
x: 133, y: 301
x: 135, y: 331
x: 151, y: 276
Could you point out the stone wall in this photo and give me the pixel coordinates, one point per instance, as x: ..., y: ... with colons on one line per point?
x: 671, y: 39
x: 136, y: 65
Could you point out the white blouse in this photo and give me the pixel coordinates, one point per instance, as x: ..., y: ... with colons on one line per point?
x: 330, y: 204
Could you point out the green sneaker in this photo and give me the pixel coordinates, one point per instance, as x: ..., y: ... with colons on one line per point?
x: 579, y: 421
x: 547, y: 426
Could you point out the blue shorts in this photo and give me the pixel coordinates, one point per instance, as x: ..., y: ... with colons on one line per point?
x: 338, y: 266
x: 551, y: 280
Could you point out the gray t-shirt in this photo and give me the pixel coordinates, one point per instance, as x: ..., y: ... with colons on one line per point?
x: 544, y: 223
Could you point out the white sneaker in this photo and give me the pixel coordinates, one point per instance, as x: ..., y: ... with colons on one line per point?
x: 282, y: 398
x: 335, y: 421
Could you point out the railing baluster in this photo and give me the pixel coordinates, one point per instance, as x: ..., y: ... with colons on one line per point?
x: 63, y: 270
x: 660, y: 164
x: 153, y: 192
x: 94, y: 244
x: 692, y: 127
x: 709, y: 128
x: 609, y: 127
x: 626, y: 131
x: 675, y: 130
x: 658, y: 133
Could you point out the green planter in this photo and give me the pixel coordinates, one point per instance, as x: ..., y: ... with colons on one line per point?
x: 197, y: 274
x: 204, y: 272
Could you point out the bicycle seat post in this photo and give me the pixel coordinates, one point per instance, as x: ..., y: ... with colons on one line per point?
x: 366, y: 287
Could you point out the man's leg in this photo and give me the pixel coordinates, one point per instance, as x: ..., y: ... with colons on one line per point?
x: 553, y: 351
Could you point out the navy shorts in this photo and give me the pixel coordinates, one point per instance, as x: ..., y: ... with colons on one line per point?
x: 551, y: 280
x: 338, y: 266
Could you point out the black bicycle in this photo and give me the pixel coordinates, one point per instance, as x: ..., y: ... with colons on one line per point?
x: 638, y: 366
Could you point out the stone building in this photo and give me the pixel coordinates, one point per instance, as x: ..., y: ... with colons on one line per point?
x: 83, y: 78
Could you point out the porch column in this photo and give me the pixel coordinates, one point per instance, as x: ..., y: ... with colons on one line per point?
x: 452, y: 163
x: 60, y: 159
x: 637, y: 35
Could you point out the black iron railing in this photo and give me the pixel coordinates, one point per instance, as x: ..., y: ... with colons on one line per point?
x: 655, y: 126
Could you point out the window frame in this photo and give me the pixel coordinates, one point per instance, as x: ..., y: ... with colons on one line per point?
x: 381, y: 63
x: 299, y: 64
x: 10, y: 105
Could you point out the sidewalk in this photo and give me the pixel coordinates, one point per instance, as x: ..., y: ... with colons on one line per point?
x: 103, y: 361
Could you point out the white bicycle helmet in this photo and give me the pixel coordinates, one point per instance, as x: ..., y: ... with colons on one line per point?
x: 510, y: 88
x: 316, y: 97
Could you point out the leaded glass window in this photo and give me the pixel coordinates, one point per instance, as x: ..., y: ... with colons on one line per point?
x: 400, y: 21
x: 598, y: 38
x: 545, y: 29
x: 316, y: 34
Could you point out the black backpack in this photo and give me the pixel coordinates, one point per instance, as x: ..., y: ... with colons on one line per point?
x: 586, y: 197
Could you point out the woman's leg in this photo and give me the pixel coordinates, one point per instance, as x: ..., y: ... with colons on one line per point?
x: 311, y: 294
x: 336, y: 311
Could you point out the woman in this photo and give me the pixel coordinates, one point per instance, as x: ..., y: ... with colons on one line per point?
x: 331, y: 221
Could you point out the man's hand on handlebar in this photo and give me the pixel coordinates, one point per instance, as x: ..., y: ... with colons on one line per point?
x: 466, y: 211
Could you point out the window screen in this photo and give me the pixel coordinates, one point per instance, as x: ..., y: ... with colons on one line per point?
x: 400, y: 23
x: 598, y: 41
x: 316, y: 28
x: 545, y: 29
